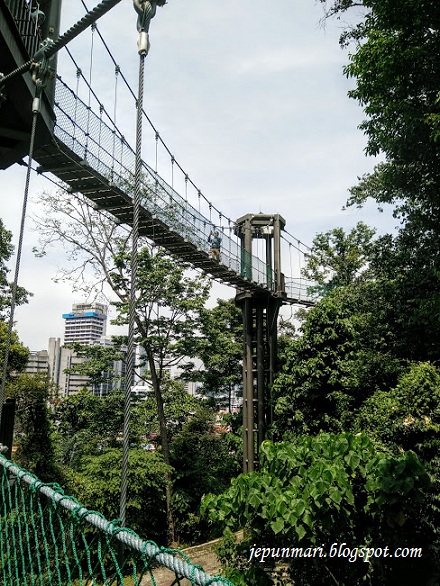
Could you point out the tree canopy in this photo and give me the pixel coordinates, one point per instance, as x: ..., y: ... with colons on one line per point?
x: 331, y: 489
x: 365, y: 358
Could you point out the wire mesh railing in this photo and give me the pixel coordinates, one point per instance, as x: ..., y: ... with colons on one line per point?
x: 25, y: 15
x: 301, y: 290
x: 108, y: 153
x: 48, y: 539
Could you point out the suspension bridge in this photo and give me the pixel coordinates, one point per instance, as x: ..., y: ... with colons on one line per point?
x: 93, y: 158
x: 80, y: 144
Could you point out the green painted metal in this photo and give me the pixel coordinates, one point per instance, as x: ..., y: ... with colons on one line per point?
x: 48, y: 539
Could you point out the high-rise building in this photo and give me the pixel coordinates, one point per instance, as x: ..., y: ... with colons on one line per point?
x: 62, y: 358
x: 85, y: 323
x: 38, y: 362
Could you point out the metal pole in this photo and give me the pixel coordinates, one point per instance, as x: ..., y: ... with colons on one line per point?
x: 277, y: 254
x: 272, y: 337
x: 261, y: 407
x: 7, y: 428
x: 248, y: 247
x: 35, y: 111
x: 269, y: 269
x: 248, y: 389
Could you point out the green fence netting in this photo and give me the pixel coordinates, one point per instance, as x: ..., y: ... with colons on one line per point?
x: 47, y: 538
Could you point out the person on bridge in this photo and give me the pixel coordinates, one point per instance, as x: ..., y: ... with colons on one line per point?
x: 215, y: 242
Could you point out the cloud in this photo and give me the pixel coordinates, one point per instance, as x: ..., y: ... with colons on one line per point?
x: 282, y: 60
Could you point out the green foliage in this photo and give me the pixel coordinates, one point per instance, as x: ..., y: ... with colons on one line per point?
x: 97, y: 483
x: 99, y: 364
x: 343, y: 355
x: 203, y: 464
x: 326, y: 489
x: 220, y: 347
x: 6, y: 251
x: 408, y: 416
x: 168, y: 304
x: 33, y: 429
x: 233, y: 558
x: 179, y: 407
x: 337, y: 259
x: 395, y: 63
x: 87, y: 424
x: 18, y: 354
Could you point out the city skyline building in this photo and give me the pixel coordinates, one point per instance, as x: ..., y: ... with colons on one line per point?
x: 85, y: 323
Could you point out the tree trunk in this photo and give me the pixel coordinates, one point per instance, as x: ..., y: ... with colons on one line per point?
x: 164, y: 441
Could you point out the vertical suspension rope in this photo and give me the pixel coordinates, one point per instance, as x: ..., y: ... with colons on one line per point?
x: 78, y: 77
x: 229, y: 243
x: 132, y: 301
x: 291, y: 267
x: 35, y: 112
x: 172, y: 172
x: 89, y: 107
x: 115, y: 102
x: 101, y: 110
x: 156, y: 180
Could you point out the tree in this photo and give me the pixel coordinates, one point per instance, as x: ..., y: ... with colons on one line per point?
x: 18, y: 354
x: 6, y: 252
x: 99, y: 364
x: 179, y: 407
x: 87, y: 424
x: 407, y: 416
x: 166, y: 316
x: 345, y: 352
x: 395, y: 62
x: 337, y: 259
x: 220, y: 347
x: 168, y: 299
x: 201, y: 456
x: 332, y: 489
x: 396, y: 69
x: 96, y: 484
x: 34, y: 430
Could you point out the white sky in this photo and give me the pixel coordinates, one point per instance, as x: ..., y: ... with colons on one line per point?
x: 250, y: 98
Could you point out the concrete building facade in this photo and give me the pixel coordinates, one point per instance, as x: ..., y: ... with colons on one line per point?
x: 85, y: 323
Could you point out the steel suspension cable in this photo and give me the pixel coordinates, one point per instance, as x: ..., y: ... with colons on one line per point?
x: 299, y: 241
x: 133, y: 274
x: 296, y: 246
x: 152, y: 125
x: 35, y: 112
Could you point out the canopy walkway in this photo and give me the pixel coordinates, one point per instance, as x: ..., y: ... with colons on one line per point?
x: 48, y: 539
x: 94, y: 159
